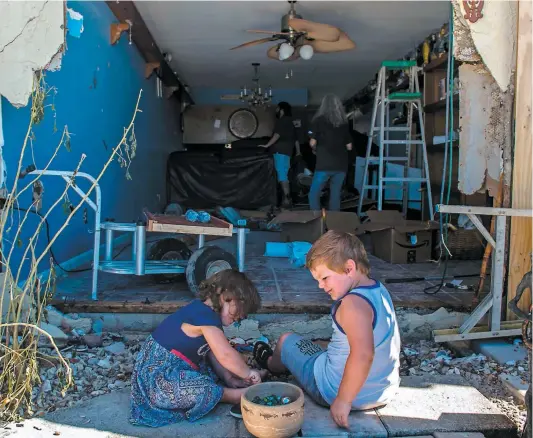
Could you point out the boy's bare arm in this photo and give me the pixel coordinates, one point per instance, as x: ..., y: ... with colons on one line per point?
x: 355, y: 316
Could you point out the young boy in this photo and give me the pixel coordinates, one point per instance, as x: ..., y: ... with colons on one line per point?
x: 360, y: 369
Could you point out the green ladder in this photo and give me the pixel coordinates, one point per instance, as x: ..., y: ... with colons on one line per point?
x: 382, y: 101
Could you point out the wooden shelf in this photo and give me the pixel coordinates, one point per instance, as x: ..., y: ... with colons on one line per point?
x: 440, y: 105
x: 439, y: 63
x: 440, y: 147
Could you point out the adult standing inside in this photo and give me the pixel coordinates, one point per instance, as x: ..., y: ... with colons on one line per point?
x: 282, y: 145
x: 330, y: 141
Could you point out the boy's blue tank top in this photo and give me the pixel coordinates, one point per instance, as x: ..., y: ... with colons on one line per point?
x: 170, y: 335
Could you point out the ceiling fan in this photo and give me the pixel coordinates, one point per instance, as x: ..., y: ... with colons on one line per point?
x: 301, y: 38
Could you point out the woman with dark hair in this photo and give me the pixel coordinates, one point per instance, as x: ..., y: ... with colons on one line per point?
x: 281, y: 145
x: 330, y: 141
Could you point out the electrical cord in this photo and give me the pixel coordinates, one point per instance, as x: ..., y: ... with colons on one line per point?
x: 432, y: 290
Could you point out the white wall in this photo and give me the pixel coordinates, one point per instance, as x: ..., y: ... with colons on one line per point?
x: 31, y: 34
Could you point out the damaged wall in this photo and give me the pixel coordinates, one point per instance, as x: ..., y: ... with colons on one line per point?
x: 32, y: 33
x: 94, y: 93
x: 487, y: 49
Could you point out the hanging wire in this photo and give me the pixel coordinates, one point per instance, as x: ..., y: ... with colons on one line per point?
x: 448, y: 159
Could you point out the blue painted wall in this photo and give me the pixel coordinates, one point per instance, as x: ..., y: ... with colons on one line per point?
x: 97, y: 88
x: 211, y: 96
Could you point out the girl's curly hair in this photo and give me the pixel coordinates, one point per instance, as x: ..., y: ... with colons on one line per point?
x: 232, y: 285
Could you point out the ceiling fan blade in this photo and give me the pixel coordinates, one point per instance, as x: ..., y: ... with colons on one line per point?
x: 343, y: 44
x: 254, y: 43
x: 317, y: 31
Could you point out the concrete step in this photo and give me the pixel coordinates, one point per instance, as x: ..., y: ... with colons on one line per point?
x: 427, y: 405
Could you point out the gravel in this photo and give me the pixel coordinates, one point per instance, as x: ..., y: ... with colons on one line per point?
x: 100, y: 370
x: 96, y: 371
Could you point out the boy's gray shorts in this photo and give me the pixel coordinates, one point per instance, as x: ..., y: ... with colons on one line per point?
x: 299, y: 356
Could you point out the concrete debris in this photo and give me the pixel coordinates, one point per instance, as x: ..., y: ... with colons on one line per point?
x: 57, y: 334
x: 116, y: 348
x: 70, y: 322
x: 481, y: 372
x: 414, y: 326
x: 96, y: 371
x: 93, y: 340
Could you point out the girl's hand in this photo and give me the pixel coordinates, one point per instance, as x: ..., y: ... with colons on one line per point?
x: 254, y: 377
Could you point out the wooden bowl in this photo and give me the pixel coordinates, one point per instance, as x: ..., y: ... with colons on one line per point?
x: 273, y: 421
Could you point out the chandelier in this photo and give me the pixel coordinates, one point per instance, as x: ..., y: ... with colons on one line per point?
x: 255, y: 96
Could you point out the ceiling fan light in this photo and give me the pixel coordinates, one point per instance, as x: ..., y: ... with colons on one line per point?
x: 285, y: 51
x: 306, y: 51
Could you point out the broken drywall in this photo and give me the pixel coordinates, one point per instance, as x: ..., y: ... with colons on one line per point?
x: 494, y: 38
x: 32, y: 33
x: 487, y: 49
x: 485, y: 118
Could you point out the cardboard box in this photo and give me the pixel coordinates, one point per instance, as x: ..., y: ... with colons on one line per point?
x: 308, y: 226
x: 397, y: 240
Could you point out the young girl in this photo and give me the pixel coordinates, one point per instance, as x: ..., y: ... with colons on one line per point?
x: 177, y: 372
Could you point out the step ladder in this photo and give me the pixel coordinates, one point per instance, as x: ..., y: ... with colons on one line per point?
x: 382, y: 102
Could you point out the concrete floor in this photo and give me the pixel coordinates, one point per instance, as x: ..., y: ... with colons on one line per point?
x: 280, y: 284
x: 443, y: 408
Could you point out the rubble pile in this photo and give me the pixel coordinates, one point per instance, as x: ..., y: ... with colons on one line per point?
x: 428, y: 358
x: 96, y: 371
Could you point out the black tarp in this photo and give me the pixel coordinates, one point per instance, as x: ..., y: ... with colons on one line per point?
x: 206, y: 180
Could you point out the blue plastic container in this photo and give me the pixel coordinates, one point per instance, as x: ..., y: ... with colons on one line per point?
x: 277, y: 249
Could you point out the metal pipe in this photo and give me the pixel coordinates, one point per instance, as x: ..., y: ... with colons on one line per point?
x: 140, y: 237
x: 201, y: 241
x: 108, y: 245
x: 241, y: 245
x: 96, y: 206
x: 134, y: 245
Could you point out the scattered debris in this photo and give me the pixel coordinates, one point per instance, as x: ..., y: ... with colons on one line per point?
x: 481, y: 372
x: 96, y: 371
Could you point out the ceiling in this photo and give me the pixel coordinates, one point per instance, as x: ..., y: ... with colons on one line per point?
x: 199, y: 35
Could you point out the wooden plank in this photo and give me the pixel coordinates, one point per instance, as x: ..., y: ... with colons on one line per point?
x: 164, y: 307
x: 178, y: 224
x: 520, y: 241
x: 188, y: 229
x: 286, y: 307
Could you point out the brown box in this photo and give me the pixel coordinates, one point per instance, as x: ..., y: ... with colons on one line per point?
x: 308, y: 226
x: 397, y: 240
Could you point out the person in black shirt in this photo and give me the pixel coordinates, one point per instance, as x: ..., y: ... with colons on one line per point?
x: 281, y: 145
x: 330, y: 141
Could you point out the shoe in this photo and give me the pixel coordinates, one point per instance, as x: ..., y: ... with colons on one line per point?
x: 235, y: 411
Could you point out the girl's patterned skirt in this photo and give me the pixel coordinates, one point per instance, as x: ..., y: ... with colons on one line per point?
x: 165, y: 389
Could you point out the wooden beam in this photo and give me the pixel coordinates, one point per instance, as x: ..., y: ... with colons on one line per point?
x: 145, y: 43
x: 165, y: 307
x: 521, y: 235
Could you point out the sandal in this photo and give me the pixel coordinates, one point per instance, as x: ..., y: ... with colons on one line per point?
x: 235, y: 411
x: 262, y: 352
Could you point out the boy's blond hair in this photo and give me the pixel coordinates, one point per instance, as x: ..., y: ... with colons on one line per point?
x: 334, y: 249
